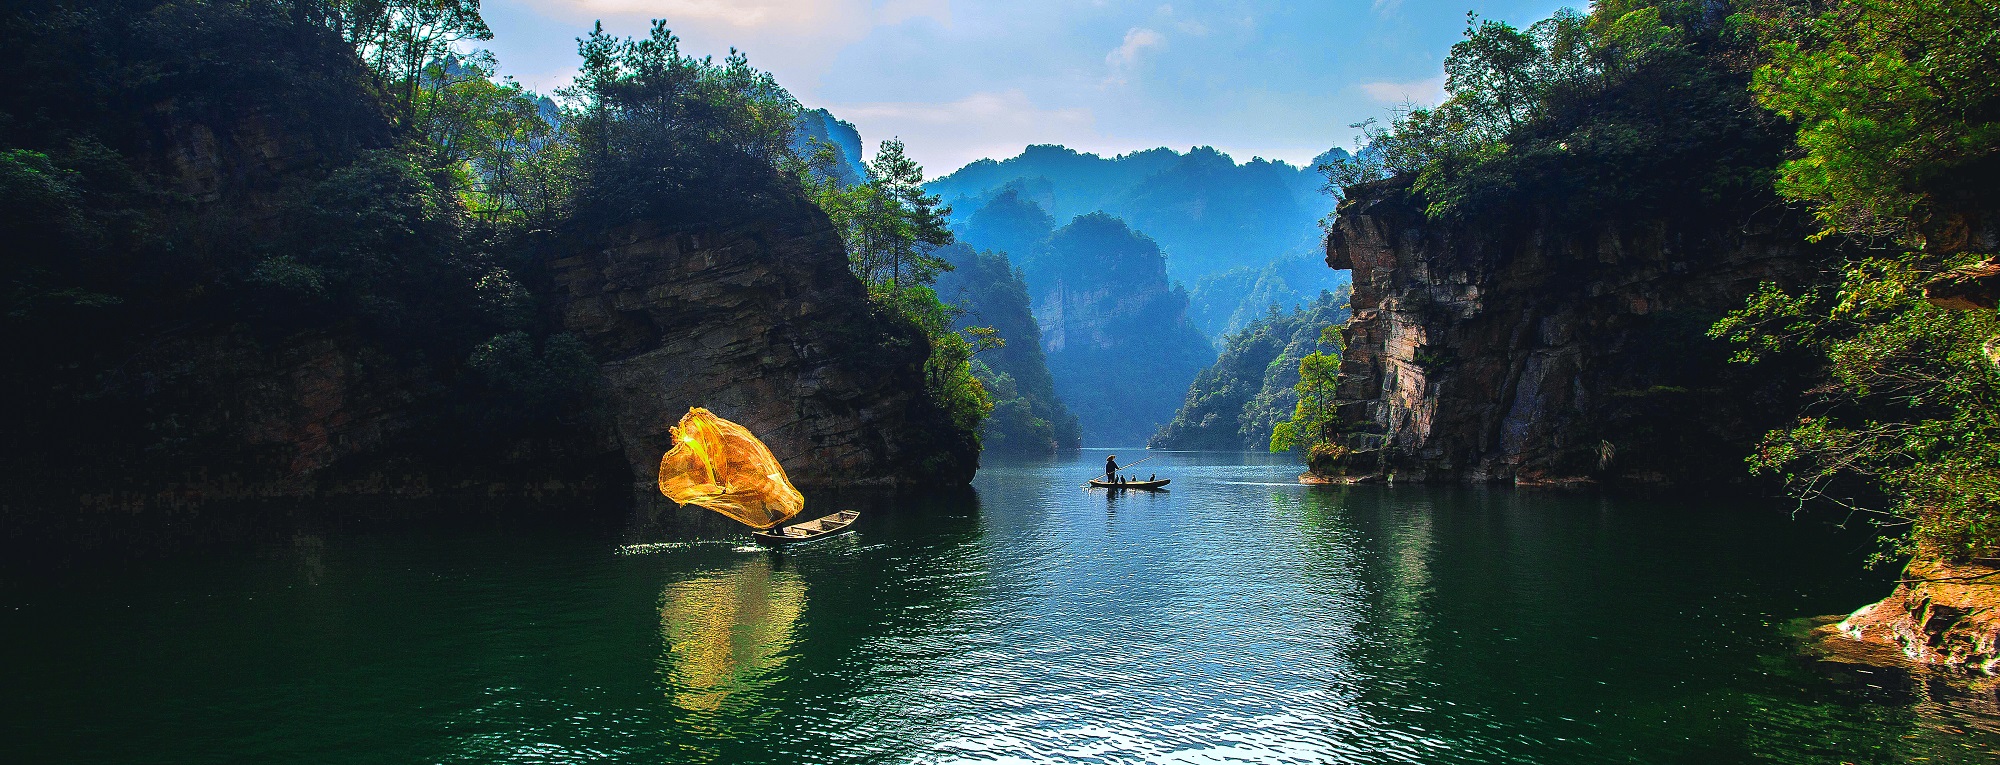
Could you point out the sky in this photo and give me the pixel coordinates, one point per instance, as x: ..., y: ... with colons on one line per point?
x: 958, y: 80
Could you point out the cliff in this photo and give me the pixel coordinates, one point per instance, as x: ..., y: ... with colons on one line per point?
x: 1528, y: 351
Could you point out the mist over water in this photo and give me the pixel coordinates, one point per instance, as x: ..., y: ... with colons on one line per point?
x: 1238, y: 617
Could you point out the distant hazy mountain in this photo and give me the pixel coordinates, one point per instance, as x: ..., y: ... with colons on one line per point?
x: 1115, y: 331
x: 1207, y: 212
x: 1222, y: 303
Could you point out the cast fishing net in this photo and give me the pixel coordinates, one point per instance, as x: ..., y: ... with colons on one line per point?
x: 719, y: 465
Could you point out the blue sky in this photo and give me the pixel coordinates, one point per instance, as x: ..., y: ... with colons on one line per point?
x: 958, y: 80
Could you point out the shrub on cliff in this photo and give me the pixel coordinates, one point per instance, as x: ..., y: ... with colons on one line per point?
x: 1313, y: 419
x: 1638, y: 107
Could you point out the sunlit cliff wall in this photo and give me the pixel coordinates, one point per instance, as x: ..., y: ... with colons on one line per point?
x: 1531, y: 351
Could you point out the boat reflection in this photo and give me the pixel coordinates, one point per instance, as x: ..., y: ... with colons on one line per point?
x: 727, y: 633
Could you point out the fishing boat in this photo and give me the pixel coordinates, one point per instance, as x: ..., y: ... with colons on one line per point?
x: 1153, y: 485
x: 808, y: 531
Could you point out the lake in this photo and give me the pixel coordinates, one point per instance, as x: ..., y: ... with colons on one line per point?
x: 1237, y: 617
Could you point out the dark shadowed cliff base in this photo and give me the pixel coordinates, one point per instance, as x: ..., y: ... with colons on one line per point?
x: 235, y: 283
x: 1531, y: 352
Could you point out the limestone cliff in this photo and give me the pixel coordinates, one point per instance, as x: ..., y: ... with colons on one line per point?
x: 1527, y: 351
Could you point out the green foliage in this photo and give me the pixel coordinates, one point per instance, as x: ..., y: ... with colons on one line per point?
x: 1638, y: 107
x: 1013, y: 426
x: 521, y: 388
x: 893, y: 230
x: 891, y: 225
x: 666, y: 136
x: 400, y: 39
x: 1898, y: 107
x: 948, y: 374
x: 487, y: 138
x: 1910, y: 405
x: 1313, y: 422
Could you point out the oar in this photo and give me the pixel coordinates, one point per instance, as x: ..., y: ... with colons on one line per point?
x: 1120, y: 467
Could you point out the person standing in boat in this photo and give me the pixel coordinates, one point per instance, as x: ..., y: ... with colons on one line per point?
x: 1111, y: 468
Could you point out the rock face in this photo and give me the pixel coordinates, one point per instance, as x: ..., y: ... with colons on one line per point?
x: 1530, y: 352
x: 1942, y: 614
x: 761, y: 323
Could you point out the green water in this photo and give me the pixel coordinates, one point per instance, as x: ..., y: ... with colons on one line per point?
x: 1237, y: 618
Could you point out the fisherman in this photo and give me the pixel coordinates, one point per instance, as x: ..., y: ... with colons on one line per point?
x: 1111, y: 468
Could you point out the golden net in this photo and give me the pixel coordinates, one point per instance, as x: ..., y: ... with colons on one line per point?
x: 719, y: 465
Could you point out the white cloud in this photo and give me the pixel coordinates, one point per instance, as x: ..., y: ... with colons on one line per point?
x: 1124, y: 57
x: 1386, y: 7
x: 1428, y: 92
x: 946, y: 136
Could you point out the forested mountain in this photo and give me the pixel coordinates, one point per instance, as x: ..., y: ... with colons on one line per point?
x: 263, y: 248
x: 1028, y: 417
x: 1234, y: 404
x: 1090, y: 283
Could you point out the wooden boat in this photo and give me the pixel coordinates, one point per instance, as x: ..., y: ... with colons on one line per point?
x: 1147, y: 485
x: 807, y: 531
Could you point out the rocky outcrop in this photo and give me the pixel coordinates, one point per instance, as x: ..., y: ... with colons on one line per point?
x: 1940, y: 614
x: 761, y: 323
x: 1973, y: 287
x: 1531, y: 352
